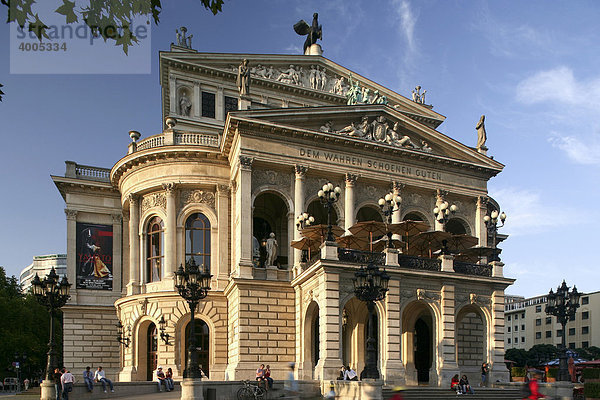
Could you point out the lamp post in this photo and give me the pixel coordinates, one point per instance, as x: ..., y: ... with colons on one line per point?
x: 443, y: 212
x: 162, y: 327
x: 122, y: 337
x: 389, y: 204
x: 491, y: 223
x: 370, y: 285
x: 304, y: 220
x: 193, y: 284
x: 53, y: 294
x: 328, y: 195
x: 563, y: 305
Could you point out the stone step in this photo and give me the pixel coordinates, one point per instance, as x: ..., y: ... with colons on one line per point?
x: 447, y: 394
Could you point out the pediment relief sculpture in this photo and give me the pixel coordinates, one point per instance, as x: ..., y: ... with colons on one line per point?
x: 378, y: 130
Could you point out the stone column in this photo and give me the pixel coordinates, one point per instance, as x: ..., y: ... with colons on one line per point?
x: 480, y: 229
x: 299, y: 203
x: 439, y: 199
x: 133, y: 287
x: 117, y: 267
x: 448, y: 366
x: 170, y: 231
x: 72, y: 250
x: 172, y: 95
x: 397, y: 189
x: 124, y: 252
x: 498, y: 370
x: 243, y: 218
x: 223, y: 248
x: 220, y: 105
x: 349, y: 214
x: 329, y: 327
x: 197, y: 102
x: 392, y: 368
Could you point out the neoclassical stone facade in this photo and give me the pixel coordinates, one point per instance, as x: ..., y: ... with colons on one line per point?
x: 227, y: 170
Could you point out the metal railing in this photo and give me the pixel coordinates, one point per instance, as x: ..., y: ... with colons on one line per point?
x: 413, y: 262
x: 472, y: 269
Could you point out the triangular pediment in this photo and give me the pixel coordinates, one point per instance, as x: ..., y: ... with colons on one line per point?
x: 369, y: 126
x: 314, y: 80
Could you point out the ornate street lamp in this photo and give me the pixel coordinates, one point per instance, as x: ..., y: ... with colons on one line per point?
x: 53, y: 294
x: 304, y: 220
x: 122, y: 337
x: 370, y: 285
x: 328, y: 195
x: 162, y: 328
x: 491, y: 223
x: 193, y: 284
x: 443, y: 212
x: 563, y: 305
x: 389, y: 204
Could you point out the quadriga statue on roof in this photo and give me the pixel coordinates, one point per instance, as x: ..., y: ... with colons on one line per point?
x: 313, y: 32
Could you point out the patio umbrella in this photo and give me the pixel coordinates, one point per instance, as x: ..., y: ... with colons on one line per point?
x: 380, y: 244
x: 368, y: 229
x: 353, y: 242
x: 474, y: 254
x: 407, y: 229
x: 428, y: 242
x: 319, y: 232
x: 306, y: 243
x: 460, y: 243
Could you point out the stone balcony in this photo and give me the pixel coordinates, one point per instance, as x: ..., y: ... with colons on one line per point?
x: 172, y: 137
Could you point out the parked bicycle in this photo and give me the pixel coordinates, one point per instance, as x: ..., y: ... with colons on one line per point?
x: 251, y: 391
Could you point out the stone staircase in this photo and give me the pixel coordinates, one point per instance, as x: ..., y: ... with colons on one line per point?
x: 426, y: 393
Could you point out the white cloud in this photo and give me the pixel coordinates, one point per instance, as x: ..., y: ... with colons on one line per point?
x: 407, y: 24
x: 559, y: 86
x: 528, y: 214
x: 294, y: 49
x: 578, y: 150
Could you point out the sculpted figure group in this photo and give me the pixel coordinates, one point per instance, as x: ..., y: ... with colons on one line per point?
x: 378, y: 130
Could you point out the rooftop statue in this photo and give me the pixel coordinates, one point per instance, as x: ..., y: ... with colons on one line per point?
x: 182, y: 40
x: 313, y: 32
x: 481, y: 134
x: 417, y: 96
x: 243, y: 78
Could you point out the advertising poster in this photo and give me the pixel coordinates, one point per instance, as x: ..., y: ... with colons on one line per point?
x: 94, y: 256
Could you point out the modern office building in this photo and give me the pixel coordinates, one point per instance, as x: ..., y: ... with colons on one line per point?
x: 41, y: 266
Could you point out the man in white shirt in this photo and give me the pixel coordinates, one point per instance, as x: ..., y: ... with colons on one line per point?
x: 350, y: 374
x: 100, y: 377
x: 67, y: 379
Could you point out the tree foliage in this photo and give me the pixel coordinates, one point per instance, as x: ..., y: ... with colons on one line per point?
x: 535, y: 356
x: 24, y: 330
x: 109, y: 19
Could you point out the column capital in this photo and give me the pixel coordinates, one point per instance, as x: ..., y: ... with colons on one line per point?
x: 246, y: 163
x: 300, y: 170
x: 350, y: 179
x: 223, y: 190
x: 482, y: 201
x: 133, y: 199
x: 441, y: 194
x: 71, y: 214
x: 233, y: 186
x: 398, y: 187
x: 169, y: 187
x: 116, y: 219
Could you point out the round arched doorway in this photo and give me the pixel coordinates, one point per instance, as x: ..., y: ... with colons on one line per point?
x: 202, y: 334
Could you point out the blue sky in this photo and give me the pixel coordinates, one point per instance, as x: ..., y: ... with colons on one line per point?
x: 530, y: 67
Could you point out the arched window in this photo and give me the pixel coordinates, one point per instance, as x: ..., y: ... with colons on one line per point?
x: 202, y: 336
x: 197, y: 239
x: 154, y: 249
x: 152, y: 358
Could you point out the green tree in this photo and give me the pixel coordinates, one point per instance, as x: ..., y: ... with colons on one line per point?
x: 108, y: 19
x: 589, y: 353
x: 24, y: 330
x: 541, y: 354
x: 519, y: 356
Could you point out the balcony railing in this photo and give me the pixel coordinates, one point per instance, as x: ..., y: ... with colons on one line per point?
x: 412, y: 262
x: 87, y: 172
x: 176, y: 139
x: 472, y: 269
x: 360, y: 257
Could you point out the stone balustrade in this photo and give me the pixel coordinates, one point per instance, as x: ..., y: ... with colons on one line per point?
x: 87, y: 172
x: 170, y: 138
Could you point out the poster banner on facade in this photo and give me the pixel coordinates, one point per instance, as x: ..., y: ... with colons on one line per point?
x: 94, y: 256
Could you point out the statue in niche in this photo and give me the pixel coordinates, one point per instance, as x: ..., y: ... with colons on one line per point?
x: 271, y: 247
x: 327, y: 127
x: 255, y: 251
x: 425, y: 147
x: 313, y: 32
x: 379, y: 129
x: 185, y: 105
x: 323, y: 79
x: 339, y: 87
x: 243, y: 78
x: 481, y: 134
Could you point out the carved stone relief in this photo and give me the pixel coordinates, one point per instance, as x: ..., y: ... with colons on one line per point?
x: 270, y: 178
x: 154, y: 200
x: 197, y: 196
